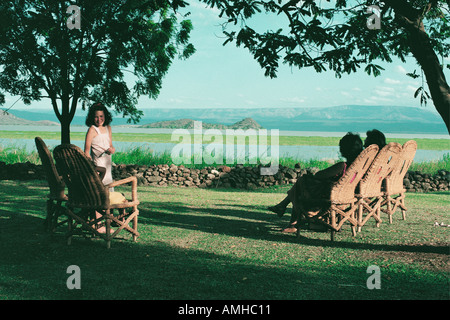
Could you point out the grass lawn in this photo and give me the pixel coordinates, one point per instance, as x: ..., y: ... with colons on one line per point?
x: 221, y: 244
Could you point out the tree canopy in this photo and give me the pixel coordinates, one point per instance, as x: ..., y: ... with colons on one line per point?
x: 338, y: 36
x: 43, y: 56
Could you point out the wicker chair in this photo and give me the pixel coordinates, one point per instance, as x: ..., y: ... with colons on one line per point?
x: 342, y: 204
x: 56, y: 184
x: 394, y: 195
x: 370, y: 196
x: 89, y: 195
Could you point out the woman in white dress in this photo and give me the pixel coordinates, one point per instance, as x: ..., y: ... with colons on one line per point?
x: 98, y: 144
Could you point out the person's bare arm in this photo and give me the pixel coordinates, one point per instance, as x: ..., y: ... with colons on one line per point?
x: 88, y: 142
x: 111, y: 149
x: 331, y: 172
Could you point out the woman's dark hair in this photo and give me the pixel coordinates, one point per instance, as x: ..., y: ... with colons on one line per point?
x: 91, y: 114
x: 375, y: 137
x: 350, y: 146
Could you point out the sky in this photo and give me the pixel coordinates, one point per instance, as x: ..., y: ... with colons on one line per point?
x: 218, y: 76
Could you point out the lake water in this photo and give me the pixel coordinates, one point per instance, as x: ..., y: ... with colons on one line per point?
x: 135, y: 129
x: 296, y: 152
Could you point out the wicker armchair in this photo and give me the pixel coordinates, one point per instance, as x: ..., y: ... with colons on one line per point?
x: 88, y: 195
x: 370, y: 194
x: 56, y: 184
x: 342, y: 205
x: 394, y: 195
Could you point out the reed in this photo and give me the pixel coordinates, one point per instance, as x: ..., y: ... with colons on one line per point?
x: 12, y: 155
x: 145, y: 156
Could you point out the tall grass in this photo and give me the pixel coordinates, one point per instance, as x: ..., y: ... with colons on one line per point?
x: 12, y: 155
x: 432, y: 166
x: 144, y: 156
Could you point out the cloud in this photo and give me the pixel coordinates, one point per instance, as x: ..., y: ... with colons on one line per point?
x: 384, y: 91
x: 411, y: 89
x: 251, y: 103
x: 391, y: 81
x: 176, y: 100
x: 204, y: 14
x: 293, y: 100
x: 401, y: 70
x: 376, y: 100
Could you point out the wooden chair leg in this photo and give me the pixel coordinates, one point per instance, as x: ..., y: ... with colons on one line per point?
x: 389, y: 209
x: 108, y: 229
x: 49, y: 218
x: 69, y: 235
x: 403, y: 207
x: 378, y: 214
x: 135, y: 224
x: 360, y: 215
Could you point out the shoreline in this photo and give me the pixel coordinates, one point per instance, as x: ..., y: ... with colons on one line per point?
x: 136, y: 129
x: 300, y: 152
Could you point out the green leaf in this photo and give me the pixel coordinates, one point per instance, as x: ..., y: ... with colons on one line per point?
x: 419, y: 90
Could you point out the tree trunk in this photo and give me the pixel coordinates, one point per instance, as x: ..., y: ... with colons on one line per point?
x: 65, y: 118
x: 422, y: 49
x: 65, y: 129
x: 440, y: 91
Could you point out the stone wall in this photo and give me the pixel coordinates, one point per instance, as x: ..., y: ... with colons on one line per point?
x: 415, y: 181
x: 222, y: 176
x: 21, y: 171
x: 219, y: 177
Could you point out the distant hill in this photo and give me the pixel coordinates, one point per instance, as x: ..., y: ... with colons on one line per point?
x: 7, y: 118
x: 247, y: 123
x: 357, y: 118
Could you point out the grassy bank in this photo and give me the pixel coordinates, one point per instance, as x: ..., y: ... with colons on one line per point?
x: 140, y: 156
x: 201, y: 244
x: 423, y: 143
x: 144, y: 157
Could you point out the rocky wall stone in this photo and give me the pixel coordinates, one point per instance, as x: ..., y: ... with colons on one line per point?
x: 239, y: 176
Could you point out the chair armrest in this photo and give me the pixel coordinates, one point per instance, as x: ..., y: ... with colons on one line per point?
x: 133, y: 181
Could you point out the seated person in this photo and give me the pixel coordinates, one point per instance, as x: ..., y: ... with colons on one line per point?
x: 101, y: 171
x: 375, y: 137
x: 320, y: 184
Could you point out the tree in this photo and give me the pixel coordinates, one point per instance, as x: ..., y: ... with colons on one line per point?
x: 48, y: 50
x: 341, y: 36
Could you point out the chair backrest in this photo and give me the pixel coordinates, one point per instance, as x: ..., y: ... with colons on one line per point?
x: 55, y: 181
x: 394, y: 183
x: 381, y: 167
x: 86, y: 190
x: 344, y: 189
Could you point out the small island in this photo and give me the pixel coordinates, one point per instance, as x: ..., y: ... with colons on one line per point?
x: 247, y: 123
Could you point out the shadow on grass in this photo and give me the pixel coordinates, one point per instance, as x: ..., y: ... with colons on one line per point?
x: 34, y: 266
x: 232, y: 220
x: 34, y: 263
x: 263, y: 228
